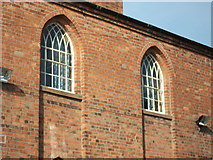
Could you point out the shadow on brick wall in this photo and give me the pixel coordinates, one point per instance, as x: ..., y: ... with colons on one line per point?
x: 12, y: 89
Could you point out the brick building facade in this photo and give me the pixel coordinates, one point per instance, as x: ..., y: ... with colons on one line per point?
x: 101, y: 115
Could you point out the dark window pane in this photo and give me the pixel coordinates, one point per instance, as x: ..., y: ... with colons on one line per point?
x: 48, y: 67
x: 59, y: 36
x: 42, y: 66
x: 62, y: 84
x: 68, y: 48
x: 48, y: 80
x: 62, y: 48
x: 69, y: 85
x: 62, y: 56
x: 48, y: 42
x: 55, y: 44
x: 150, y: 93
x: 49, y: 54
x: 145, y: 103
x: 69, y: 72
x: 150, y: 82
x: 56, y: 56
x: 154, y: 72
x: 155, y: 83
x: 42, y: 53
x: 69, y: 60
x: 156, y: 94
x: 55, y: 69
x: 42, y: 79
x: 55, y: 82
x: 144, y: 81
x: 151, y: 104
x: 144, y: 92
x: 156, y: 105
x: 52, y: 33
x: 56, y: 28
x: 62, y: 71
x: 149, y: 71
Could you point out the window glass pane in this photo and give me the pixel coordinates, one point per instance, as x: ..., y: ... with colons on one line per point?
x: 48, y: 80
x: 62, y: 71
x: 68, y: 48
x: 156, y: 105
x: 149, y: 71
x: 69, y: 85
x: 48, y: 42
x: 69, y: 72
x: 145, y: 104
x: 55, y: 44
x: 62, y: 84
x: 55, y: 82
x: 49, y: 54
x: 52, y: 33
x: 42, y: 79
x: 56, y: 56
x: 55, y: 69
x: 48, y: 67
x: 59, y: 36
x: 144, y: 81
x: 144, y: 92
x: 150, y: 82
x: 42, y: 53
x: 56, y: 28
x: 154, y: 72
x: 150, y: 93
x: 155, y: 83
x: 151, y: 104
x: 62, y: 58
x: 69, y: 60
x: 42, y: 66
x: 155, y: 94
x: 62, y: 48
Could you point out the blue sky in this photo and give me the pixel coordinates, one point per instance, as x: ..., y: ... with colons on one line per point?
x: 191, y: 20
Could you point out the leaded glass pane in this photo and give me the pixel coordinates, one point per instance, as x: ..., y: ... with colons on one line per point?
x: 55, y: 82
x: 56, y: 56
x: 42, y: 53
x: 42, y: 66
x: 48, y: 67
x: 49, y: 54
x: 48, y: 80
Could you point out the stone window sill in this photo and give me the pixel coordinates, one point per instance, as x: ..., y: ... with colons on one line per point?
x: 158, y: 115
x: 61, y: 93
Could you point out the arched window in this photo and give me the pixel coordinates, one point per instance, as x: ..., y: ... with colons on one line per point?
x: 56, y: 59
x: 152, y: 85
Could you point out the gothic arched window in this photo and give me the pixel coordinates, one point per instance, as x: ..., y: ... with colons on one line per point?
x: 56, y: 59
x: 152, y: 85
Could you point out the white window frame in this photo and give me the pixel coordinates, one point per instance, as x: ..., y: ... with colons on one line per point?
x: 152, y: 85
x: 57, y: 63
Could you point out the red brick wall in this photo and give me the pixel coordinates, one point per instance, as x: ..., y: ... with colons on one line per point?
x: 107, y: 121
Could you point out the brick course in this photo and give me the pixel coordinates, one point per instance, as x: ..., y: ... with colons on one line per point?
x: 106, y: 120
